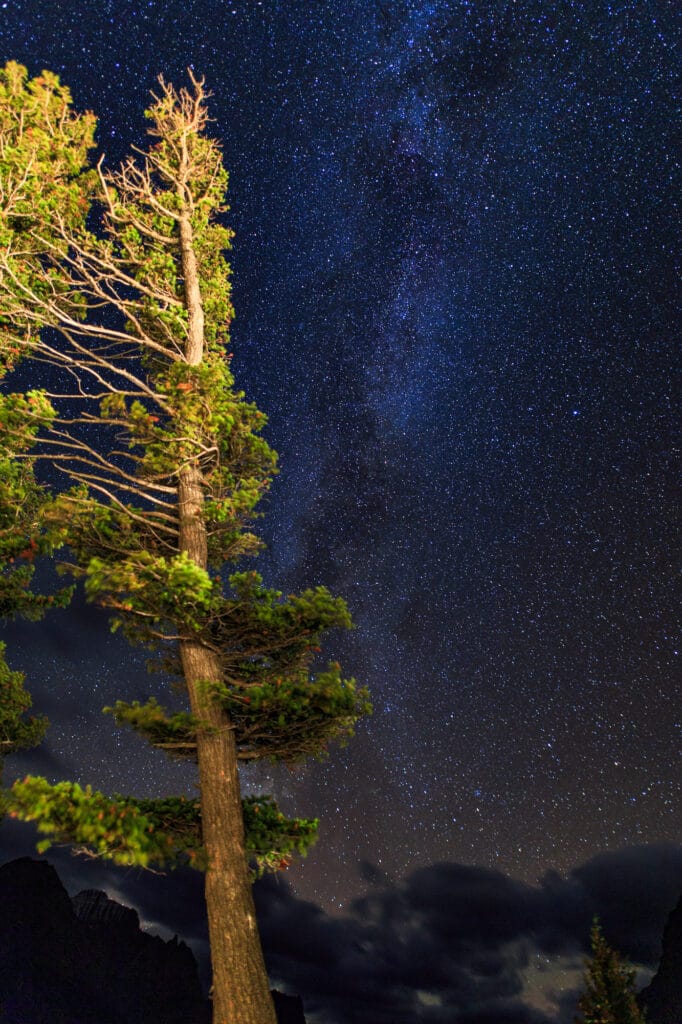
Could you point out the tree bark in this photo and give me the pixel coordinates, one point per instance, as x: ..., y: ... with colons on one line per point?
x: 194, y: 345
x: 241, y: 993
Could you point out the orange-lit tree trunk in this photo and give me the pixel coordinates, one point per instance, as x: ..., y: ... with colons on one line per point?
x: 241, y: 992
x: 240, y: 986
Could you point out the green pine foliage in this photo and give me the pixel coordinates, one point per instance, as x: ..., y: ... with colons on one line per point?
x: 609, y: 996
x: 279, y: 708
x: 17, y: 729
x: 24, y: 533
x: 161, y: 833
x: 25, y: 530
x: 96, y: 256
x: 44, y: 186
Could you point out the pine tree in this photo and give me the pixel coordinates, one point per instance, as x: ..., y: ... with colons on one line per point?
x: 117, y: 279
x: 609, y: 996
x: 20, y: 540
x: 17, y: 730
x: 23, y: 537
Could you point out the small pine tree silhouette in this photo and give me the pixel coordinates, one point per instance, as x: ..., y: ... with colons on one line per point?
x: 609, y: 996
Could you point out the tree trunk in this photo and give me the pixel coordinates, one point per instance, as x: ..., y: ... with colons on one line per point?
x: 241, y: 993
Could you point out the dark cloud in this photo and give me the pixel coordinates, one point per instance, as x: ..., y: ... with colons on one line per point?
x: 449, y: 943
x: 421, y: 951
x: 633, y: 891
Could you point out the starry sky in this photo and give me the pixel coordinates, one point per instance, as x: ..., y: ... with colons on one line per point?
x: 454, y: 280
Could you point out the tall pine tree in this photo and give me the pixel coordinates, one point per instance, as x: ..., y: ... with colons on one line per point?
x: 117, y: 279
x: 20, y: 540
x: 609, y: 996
x: 23, y: 537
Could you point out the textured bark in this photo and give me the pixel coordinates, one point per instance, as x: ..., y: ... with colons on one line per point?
x: 194, y: 348
x: 241, y: 993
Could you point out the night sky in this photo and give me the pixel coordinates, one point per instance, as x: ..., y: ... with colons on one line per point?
x: 454, y: 283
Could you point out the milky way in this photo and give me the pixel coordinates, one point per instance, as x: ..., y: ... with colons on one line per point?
x: 453, y: 281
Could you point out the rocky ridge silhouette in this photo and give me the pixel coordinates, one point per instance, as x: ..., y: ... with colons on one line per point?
x: 662, y: 998
x: 86, y: 961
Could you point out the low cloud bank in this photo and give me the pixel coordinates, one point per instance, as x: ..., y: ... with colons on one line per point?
x: 450, y: 943
x: 454, y: 943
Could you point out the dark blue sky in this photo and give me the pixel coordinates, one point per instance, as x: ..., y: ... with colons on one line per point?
x: 454, y: 284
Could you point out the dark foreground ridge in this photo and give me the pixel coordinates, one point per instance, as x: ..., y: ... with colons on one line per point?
x: 86, y: 961
x: 662, y: 998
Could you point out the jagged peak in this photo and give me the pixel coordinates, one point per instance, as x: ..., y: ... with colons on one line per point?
x: 93, y: 905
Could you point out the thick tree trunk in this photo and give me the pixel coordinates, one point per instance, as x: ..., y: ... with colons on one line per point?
x: 241, y: 994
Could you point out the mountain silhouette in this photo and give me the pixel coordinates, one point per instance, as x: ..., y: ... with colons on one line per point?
x: 662, y: 998
x: 86, y: 961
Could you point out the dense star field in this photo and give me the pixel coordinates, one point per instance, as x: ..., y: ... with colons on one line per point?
x: 454, y: 280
